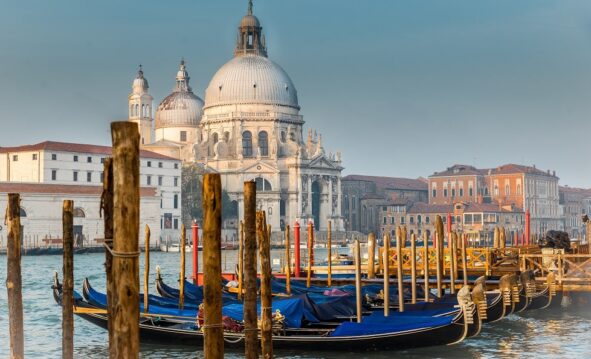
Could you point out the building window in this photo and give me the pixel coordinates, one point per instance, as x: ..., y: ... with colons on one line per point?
x: 75, y: 158
x: 149, y: 163
x: 283, y: 136
x: 54, y: 157
x: 53, y: 175
x: 34, y: 157
x: 385, y: 220
x: 176, y: 166
x: 176, y: 201
x: 264, y: 143
x: 159, y: 180
x: 183, y: 136
x: 433, y: 193
x: 75, y: 176
x: 392, y: 220
x: 176, y: 223
x: 445, y: 192
x: 15, y: 158
x: 102, y: 160
x: 470, y: 191
x: 176, y: 181
x: 215, y: 138
x: 101, y: 176
x: 159, y: 164
x: 262, y: 185
x: 507, y: 191
x: 419, y: 219
x: 453, y: 192
x: 247, y: 144
x: 402, y: 220
x: 88, y: 176
x: 461, y: 192
x: 411, y: 220
x: 89, y: 159
x: 496, y: 190
x: 148, y: 180
x: 427, y: 219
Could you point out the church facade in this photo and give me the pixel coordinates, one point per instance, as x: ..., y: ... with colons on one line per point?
x: 248, y: 128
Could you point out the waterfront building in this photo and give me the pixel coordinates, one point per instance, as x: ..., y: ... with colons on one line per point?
x: 516, y: 185
x: 574, y: 204
x: 364, y: 196
x: 76, y: 171
x: 249, y: 127
x: 475, y: 219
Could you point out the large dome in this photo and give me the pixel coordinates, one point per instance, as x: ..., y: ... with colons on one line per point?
x: 251, y: 79
x: 182, y: 108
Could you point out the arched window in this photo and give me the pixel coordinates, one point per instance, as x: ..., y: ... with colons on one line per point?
x: 137, y: 110
x: 79, y: 213
x: 507, y: 191
x: 226, y: 136
x: 263, y: 185
x: 419, y: 219
x: 215, y: 137
x: 247, y: 144
x: 264, y: 143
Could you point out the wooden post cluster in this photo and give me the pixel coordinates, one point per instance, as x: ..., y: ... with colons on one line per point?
x: 251, y: 344
x: 68, y: 280
x: 212, y: 266
x: 264, y: 241
x: 126, y: 217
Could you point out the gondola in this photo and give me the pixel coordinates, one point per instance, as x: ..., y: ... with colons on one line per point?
x: 375, y: 332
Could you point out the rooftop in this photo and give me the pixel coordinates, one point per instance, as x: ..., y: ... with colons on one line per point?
x: 76, y: 147
x: 392, y: 183
x: 42, y: 188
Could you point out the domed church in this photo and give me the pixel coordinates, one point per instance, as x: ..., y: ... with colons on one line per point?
x: 248, y: 128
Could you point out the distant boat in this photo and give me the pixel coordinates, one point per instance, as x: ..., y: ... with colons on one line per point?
x: 176, y: 248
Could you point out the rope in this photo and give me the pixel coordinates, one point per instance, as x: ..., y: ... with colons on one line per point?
x: 233, y: 341
x: 119, y: 254
x: 205, y: 326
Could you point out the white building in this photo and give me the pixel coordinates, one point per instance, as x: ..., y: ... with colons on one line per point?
x: 248, y: 128
x: 41, y: 212
x: 75, y: 171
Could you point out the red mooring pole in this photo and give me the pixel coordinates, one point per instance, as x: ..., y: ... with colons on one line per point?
x: 195, y: 230
x: 296, y: 248
x: 527, y: 227
x: 516, y: 239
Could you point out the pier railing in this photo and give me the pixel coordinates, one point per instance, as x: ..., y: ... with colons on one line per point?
x: 572, y: 272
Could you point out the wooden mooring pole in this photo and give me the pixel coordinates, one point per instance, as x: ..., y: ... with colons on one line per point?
x: 452, y: 262
x: 264, y: 241
x: 68, y: 280
x: 413, y: 268
x: 251, y: 343
x: 241, y: 261
x: 107, y: 210
x: 310, y: 254
x: 146, y: 269
x: 371, y: 256
x: 464, y: 258
x: 358, y: 298
x: 399, y: 277
x: 329, y: 250
x: 287, y: 262
x: 126, y: 216
x: 439, y: 238
x: 426, y: 264
x: 14, y: 277
x: 213, y: 331
x: 386, y: 262
x: 182, y: 269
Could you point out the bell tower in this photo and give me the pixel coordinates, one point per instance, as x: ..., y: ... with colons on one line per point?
x: 140, y: 107
x: 250, y: 38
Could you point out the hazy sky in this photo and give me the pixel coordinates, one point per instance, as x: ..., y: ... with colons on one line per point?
x: 402, y: 88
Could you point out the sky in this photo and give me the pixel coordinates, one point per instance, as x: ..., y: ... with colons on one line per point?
x: 402, y: 88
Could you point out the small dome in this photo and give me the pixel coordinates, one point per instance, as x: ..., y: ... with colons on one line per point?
x: 251, y: 79
x: 179, y: 109
x: 182, y: 108
x: 140, y: 84
x: 250, y: 21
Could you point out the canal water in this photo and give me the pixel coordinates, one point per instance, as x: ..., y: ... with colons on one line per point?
x: 535, y: 334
